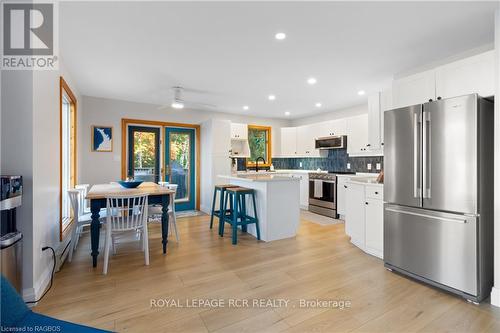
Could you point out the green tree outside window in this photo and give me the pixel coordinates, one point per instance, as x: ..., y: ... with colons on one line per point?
x: 259, y: 142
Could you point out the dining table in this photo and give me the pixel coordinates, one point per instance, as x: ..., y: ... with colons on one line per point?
x: 97, y: 196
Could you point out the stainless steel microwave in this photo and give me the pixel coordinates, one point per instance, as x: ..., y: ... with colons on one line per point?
x: 332, y: 142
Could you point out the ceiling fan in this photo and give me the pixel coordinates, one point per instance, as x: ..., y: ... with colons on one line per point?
x: 179, y: 103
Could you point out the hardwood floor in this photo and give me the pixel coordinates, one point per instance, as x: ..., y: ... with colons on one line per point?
x: 320, y: 263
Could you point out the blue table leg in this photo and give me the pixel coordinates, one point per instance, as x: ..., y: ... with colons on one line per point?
x: 95, y: 208
x: 164, y: 221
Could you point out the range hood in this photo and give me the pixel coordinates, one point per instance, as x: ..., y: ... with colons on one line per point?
x: 331, y: 142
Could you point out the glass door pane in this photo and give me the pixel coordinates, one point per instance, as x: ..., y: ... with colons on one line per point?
x: 144, y: 153
x: 180, y: 165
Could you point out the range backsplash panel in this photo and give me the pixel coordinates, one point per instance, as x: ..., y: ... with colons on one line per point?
x: 336, y: 161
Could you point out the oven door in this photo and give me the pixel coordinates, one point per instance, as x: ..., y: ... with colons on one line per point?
x: 327, y: 198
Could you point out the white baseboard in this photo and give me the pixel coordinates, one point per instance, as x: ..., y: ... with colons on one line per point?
x: 34, y: 293
x: 495, y: 296
x: 31, y: 294
x: 205, y: 209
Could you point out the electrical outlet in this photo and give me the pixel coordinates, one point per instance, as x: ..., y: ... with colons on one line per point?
x: 378, y: 166
x: 348, y: 166
x: 369, y: 166
x: 300, y: 164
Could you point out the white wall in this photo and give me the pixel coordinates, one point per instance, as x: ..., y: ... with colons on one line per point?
x: 495, y: 293
x: 337, y: 114
x: 17, y: 152
x: 30, y: 147
x: 46, y: 169
x: 105, y: 167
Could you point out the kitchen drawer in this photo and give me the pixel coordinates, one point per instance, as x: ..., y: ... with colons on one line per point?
x: 374, y: 192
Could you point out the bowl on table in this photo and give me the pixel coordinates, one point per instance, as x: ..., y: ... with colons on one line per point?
x: 130, y: 183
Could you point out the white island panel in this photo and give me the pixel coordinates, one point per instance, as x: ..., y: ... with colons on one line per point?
x: 278, y: 204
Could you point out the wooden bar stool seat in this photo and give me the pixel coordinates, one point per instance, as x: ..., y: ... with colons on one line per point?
x: 239, y: 217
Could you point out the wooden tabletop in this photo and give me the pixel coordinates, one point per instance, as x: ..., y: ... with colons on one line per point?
x: 100, y: 191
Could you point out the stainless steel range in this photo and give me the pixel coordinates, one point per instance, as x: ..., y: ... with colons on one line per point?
x: 323, y: 193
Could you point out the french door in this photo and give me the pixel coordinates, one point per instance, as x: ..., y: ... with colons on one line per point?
x: 144, y: 153
x: 180, y: 165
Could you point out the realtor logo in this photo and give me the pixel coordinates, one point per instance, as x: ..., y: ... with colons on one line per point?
x: 28, y: 40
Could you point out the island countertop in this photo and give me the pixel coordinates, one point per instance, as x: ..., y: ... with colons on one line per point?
x: 264, y: 177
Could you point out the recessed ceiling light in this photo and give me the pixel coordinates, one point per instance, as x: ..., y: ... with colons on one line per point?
x: 246, y: 107
x: 287, y: 113
x: 318, y: 105
x: 311, y: 80
x: 361, y: 92
x: 177, y: 105
x: 280, y: 36
x: 271, y: 97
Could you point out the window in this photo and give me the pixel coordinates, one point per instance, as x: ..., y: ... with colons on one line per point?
x: 67, y: 153
x: 259, y: 140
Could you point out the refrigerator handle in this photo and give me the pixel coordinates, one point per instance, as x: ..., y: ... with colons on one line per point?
x: 416, y: 122
x: 425, y: 156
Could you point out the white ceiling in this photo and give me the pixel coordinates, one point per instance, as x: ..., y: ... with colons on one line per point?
x: 227, y: 53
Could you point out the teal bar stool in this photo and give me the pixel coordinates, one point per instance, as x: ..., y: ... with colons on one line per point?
x: 239, y: 217
x: 221, y: 189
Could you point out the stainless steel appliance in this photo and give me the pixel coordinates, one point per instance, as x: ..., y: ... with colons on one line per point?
x: 331, y: 142
x: 323, y: 200
x: 438, y: 193
x: 10, y: 238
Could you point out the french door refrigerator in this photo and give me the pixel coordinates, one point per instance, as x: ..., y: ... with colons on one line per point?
x: 438, y: 194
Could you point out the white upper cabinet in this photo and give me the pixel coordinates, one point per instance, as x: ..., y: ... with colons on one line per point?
x: 414, y: 89
x: 374, y: 123
x: 306, y: 136
x: 357, y: 135
x: 471, y: 75
x: 288, y: 141
x: 239, y: 131
x: 332, y: 127
x: 474, y: 74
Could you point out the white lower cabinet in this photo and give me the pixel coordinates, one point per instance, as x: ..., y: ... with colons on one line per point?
x: 374, y: 227
x: 304, y: 186
x: 364, y: 220
x: 355, y: 213
x: 341, y: 194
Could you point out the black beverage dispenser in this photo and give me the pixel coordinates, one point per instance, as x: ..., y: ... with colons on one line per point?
x: 11, y: 190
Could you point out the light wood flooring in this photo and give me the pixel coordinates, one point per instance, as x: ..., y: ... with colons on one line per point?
x: 320, y: 263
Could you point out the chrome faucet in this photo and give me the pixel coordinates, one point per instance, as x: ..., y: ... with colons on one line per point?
x: 257, y: 162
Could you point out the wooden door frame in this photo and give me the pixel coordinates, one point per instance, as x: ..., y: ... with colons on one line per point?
x: 140, y: 122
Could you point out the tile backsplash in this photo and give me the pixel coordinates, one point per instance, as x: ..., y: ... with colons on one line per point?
x: 336, y: 161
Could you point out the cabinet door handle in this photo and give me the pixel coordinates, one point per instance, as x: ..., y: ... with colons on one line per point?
x: 366, y: 203
x: 345, y: 186
x: 376, y: 192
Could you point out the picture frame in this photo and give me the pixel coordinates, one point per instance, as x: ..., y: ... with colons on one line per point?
x: 101, y: 138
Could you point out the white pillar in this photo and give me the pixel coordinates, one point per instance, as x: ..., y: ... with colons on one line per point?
x: 495, y: 293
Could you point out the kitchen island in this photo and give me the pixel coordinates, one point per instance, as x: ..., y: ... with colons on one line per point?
x: 278, y: 203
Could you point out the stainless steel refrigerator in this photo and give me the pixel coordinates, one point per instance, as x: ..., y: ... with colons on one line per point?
x: 438, y: 194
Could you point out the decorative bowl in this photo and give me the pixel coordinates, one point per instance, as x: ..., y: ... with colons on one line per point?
x: 130, y: 183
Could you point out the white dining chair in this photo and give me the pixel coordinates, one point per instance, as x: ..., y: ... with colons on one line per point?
x: 80, y: 219
x: 156, y: 210
x: 125, y: 214
x: 84, y: 203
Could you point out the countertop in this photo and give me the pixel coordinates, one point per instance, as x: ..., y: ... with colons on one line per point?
x: 280, y: 171
x: 359, y: 174
x: 261, y: 177
x: 366, y: 181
